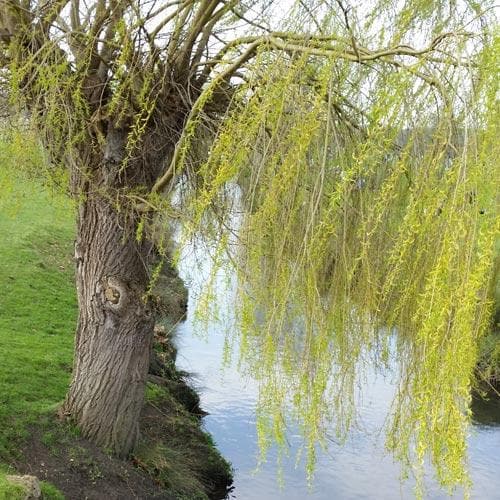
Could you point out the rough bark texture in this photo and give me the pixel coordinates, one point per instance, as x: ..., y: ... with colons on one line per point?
x: 115, y: 328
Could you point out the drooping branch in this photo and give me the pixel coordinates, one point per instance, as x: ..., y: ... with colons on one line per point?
x: 295, y: 43
x: 197, y: 109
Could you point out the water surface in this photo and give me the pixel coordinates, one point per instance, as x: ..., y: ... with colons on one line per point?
x: 358, y: 469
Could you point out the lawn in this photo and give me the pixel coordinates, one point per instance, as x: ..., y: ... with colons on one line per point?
x: 37, y: 303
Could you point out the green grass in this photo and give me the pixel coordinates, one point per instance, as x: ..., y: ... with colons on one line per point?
x: 37, y: 307
x: 9, y: 491
x: 50, y: 492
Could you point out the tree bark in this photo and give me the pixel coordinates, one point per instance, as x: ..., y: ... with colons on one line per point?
x: 115, y: 327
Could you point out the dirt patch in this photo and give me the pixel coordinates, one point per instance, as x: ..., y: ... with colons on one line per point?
x: 180, y: 454
x: 83, y: 472
x: 176, y: 459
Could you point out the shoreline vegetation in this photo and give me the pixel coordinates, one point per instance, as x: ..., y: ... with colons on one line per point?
x: 176, y: 458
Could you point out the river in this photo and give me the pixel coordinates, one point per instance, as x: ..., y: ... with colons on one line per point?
x: 358, y: 469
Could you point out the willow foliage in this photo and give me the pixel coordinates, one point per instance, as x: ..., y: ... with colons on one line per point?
x: 343, y: 160
x: 355, y: 224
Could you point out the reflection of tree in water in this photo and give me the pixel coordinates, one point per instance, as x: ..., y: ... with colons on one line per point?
x: 486, y: 410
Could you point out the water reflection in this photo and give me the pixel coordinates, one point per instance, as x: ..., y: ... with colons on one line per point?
x: 360, y: 469
x: 486, y: 411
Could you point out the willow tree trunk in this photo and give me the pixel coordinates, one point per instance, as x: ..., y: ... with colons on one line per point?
x: 115, y: 327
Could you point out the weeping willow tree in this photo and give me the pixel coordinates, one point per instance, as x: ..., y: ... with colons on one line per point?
x: 341, y: 158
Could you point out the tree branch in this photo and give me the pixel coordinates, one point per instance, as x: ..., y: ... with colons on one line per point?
x: 196, y: 110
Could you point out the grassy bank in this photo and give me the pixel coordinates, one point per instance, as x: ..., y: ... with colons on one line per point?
x: 38, y: 310
x: 37, y: 304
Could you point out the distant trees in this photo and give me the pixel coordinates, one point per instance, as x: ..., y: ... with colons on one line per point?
x: 294, y: 104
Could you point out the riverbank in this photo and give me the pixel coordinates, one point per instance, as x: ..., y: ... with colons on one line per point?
x: 176, y: 459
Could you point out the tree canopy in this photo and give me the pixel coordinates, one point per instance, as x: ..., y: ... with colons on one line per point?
x: 343, y: 159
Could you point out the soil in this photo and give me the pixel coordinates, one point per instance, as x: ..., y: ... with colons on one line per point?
x: 83, y: 472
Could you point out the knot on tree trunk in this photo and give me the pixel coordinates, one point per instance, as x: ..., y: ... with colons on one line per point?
x: 118, y: 295
x: 112, y: 295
